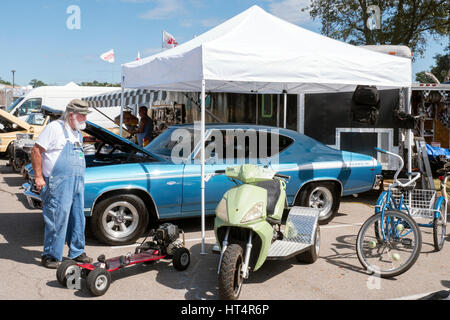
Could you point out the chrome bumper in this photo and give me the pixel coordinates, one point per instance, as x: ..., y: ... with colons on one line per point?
x: 33, y: 199
x: 378, y: 183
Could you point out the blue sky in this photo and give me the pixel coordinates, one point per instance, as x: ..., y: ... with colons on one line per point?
x: 35, y: 41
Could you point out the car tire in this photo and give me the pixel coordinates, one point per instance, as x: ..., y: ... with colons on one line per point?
x: 321, y: 195
x: 119, y: 219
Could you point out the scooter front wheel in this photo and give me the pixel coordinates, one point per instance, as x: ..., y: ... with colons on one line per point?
x: 230, y: 275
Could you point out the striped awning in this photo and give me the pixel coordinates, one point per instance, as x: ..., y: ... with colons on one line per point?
x: 133, y: 97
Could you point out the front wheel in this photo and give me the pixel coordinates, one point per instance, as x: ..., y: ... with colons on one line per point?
x: 440, y: 227
x: 98, y: 281
x: 388, y: 244
x: 230, y: 275
x: 323, y: 196
x: 119, y: 219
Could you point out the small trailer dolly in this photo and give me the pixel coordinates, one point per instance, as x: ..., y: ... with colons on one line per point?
x: 166, y: 244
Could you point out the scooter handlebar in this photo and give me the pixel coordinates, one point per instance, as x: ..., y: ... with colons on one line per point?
x: 282, y: 176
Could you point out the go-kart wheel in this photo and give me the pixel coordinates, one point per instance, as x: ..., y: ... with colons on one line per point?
x: 65, y: 270
x: 98, y: 281
x: 181, y: 259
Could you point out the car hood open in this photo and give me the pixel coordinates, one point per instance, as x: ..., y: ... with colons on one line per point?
x: 8, y: 117
x: 117, y: 141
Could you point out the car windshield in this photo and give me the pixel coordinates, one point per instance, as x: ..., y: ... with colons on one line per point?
x: 164, y: 144
x: 15, y: 103
x: 36, y: 119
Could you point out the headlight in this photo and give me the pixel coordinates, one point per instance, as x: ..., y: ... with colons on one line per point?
x: 254, y: 213
x: 221, y: 210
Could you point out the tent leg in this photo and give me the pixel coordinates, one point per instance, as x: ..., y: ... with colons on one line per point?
x: 203, y: 252
x: 409, y: 132
x: 121, y: 106
x: 285, y: 110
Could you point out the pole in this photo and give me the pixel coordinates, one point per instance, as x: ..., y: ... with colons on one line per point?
x: 409, y: 131
x: 122, y: 100
x: 203, y: 164
x: 285, y: 109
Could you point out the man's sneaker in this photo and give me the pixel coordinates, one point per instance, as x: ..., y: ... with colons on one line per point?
x: 49, y: 262
x: 83, y: 258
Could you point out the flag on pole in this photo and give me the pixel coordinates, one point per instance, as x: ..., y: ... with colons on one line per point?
x: 108, y: 56
x: 168, y: 40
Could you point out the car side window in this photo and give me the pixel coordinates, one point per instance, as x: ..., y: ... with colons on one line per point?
x: 29, y: 106
x: 244, y: 144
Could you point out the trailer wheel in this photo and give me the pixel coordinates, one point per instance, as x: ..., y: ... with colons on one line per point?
x: 181, y: 259
x: 311, y: 255
x: 98, y: 281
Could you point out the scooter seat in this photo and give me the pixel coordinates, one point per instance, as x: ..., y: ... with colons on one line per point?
x: 273, y: 193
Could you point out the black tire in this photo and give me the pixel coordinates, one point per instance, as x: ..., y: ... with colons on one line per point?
x: 322, y: 195
x: 230, y: 277
x: 440, y: 228
x: 98, y: 281
x: 369, y: 246
x: 64, y: 269
x: 311, y: 255
x: 119, y: 230
x: 181, y: 259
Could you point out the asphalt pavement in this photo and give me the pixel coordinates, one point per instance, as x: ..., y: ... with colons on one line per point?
x: 336, y: 275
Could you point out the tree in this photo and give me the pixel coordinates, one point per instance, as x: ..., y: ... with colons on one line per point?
x: 441, y: 69
x: 5, y: 82
x: 35, y: 83
x: 403, y: 22
x: 95, y: 83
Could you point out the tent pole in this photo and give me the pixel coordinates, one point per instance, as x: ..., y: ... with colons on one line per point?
x: 285, y: 109
x: 202, y: 252
x: 121, y: 104
x: 409, y: 131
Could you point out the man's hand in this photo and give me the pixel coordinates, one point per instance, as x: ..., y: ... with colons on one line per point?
x: 39, y: 183
x: 36, y: 161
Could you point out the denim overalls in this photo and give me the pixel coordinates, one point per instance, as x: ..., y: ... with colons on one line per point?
x: 63, y: 203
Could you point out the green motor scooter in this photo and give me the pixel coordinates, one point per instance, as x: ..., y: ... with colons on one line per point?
x: 249, y: 228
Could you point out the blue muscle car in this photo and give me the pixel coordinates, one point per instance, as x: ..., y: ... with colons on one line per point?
x: 128, y: 188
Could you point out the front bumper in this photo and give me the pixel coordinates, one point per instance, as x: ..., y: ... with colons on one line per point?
x: 33, y: 199
x: 378, y: 183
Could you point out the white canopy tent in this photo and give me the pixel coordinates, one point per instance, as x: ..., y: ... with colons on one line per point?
x: 256, y: 52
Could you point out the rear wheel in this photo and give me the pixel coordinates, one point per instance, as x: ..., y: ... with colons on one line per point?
x: 440, y: 228
x: 230, y: 275
x: 312, y: 254
x: 181, y: 259
x: 323, y: 196
x: 65, y: 270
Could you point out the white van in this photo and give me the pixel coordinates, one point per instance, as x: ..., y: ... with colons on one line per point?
x: 57, y: 97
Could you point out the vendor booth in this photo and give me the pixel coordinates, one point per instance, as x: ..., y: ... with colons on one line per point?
x: 256, y: 52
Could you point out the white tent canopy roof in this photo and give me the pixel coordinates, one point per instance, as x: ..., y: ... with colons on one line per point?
x: 258, y: 52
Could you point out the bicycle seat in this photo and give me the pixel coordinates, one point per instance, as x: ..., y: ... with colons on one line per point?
x: 407, y: 188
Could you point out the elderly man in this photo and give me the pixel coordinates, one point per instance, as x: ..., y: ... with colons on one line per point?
x: 59, y: 167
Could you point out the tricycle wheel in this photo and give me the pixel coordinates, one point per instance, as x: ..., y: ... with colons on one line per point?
x: 312, y: 254
x: 181, y: 259
x: 440, y: 227
x: 230, y: 275
x: 65, y: 269
x: 98, y: 281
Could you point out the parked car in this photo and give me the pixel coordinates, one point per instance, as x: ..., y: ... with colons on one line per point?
x: 13, y: 125
x: 128, y: 187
